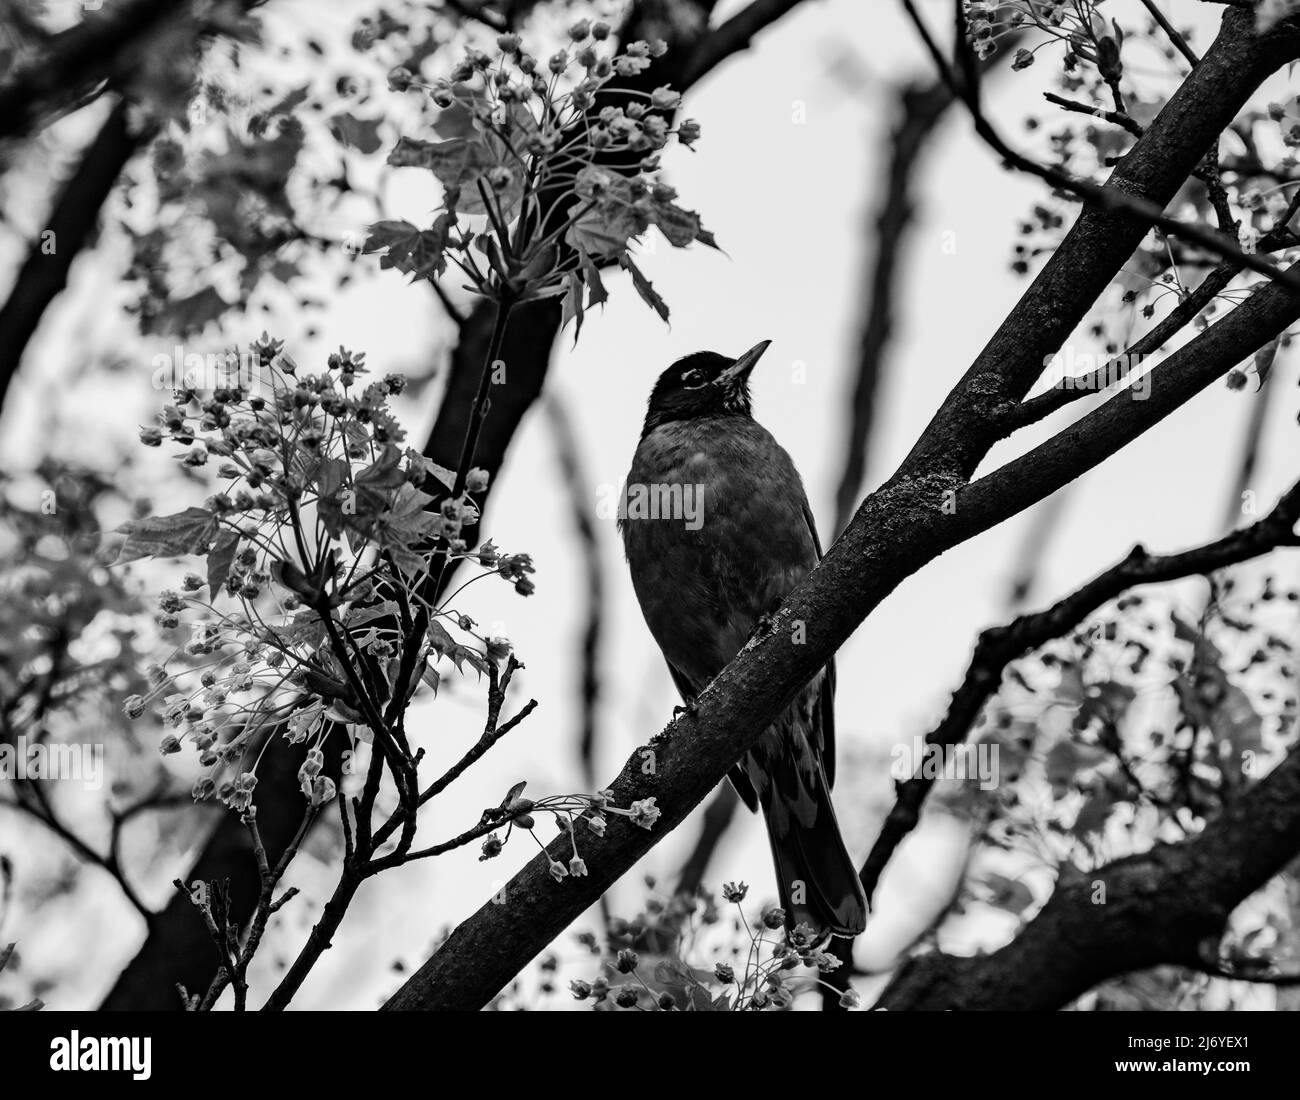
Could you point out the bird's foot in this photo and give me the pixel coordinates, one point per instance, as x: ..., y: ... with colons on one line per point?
x: 765, y: 625
x: 689, y: 707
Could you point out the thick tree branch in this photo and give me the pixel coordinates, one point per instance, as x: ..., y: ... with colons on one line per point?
x: 77, y: 61
x: 1164, y: 906
x: 69, y: 228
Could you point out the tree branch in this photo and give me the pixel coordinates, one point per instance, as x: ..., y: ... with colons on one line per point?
x: 78, y: 63
x: 1166, y: 905
x: 998, y: 647
x: 734, y: 35
x: 920, y: 108
x: 69, y: 229
x: 1104, y: 236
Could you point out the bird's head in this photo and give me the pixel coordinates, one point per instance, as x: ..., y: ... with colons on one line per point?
x: 703, y: 384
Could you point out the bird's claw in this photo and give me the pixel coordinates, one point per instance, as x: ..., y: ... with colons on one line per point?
x: 689, y: 707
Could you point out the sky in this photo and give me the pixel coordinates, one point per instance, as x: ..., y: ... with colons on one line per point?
x: 787, y: 177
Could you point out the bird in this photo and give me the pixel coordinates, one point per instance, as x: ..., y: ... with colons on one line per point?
x: 717, y: 530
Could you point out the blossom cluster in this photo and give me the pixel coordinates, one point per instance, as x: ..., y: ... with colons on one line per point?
x: 516, y: 811
x: 529, y: 133
x: 319, y: 550
x: 757, y: 973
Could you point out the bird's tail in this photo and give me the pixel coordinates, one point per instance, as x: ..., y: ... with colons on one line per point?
x: 817, y: 881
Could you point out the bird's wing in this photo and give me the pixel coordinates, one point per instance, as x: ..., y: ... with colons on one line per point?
x: 826, y: 697
x: 738, y: 778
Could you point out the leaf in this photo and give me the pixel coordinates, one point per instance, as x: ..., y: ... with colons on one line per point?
x: 605, y: 230
x: 597, y: 295
x: 1101, y: 799
x: 386, y: 233
x: 572, y: 284
x: 463, y: 654
x: 384, y: 473
x: 600, y: 184
x: 1061, y: 763
x: 331, y: 476
x: 408, y: 521
x: 187, y: 532
x: 308, y: 629
x: 680, y: 226
x: 455, y: 162
x: 643, y: 287
x: 460, y: 163
x: 362, y: 615
x: 416, y: 252
x: 440, y: 639
x: 1236, y: 723
x: 1265, y: 357
x: 431, y: 469
x: 361, y: 134
x: 290, y: 103
x: 192, y: 313
x: 456, y: 121
x: 1007, y: 893
x: 220, y: 559
x: 1108, y: 701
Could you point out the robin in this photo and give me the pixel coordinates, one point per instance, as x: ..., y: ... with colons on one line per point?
x: 717, y: 530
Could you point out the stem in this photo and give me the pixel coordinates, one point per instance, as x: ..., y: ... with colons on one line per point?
x: 478, y: 413
x: 479, y: 410
x: 318, y: 942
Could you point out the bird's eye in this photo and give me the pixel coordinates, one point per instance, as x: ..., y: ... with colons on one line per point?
x: 693, y: 379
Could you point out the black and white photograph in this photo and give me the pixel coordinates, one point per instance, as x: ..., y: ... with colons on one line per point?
x: 650, y: 506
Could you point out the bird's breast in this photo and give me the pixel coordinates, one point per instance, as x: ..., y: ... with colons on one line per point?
x: 714, y: 521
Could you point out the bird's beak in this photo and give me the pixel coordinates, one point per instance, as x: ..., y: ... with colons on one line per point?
x: 738, y: 372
